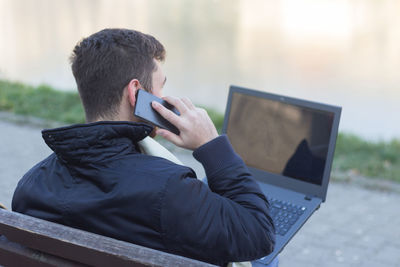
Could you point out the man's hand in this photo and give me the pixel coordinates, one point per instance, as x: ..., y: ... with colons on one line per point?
x: 194, y: 124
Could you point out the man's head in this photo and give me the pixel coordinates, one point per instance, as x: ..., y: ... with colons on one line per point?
x: 105, y: 63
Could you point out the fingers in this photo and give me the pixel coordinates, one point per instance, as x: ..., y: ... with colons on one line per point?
x: 194, y: 124
x: 166, y: 113
x: 173, y: 138
x: 176, y: 102
x: 188, y: 103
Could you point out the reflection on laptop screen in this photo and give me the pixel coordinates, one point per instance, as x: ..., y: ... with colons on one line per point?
x: 280, y: 138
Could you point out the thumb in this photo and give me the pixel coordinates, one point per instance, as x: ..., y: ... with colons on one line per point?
x: 173, y: 138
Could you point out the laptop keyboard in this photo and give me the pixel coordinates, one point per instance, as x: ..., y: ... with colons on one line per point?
x: 284, y: 214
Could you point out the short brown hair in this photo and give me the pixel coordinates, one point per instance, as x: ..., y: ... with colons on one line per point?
x: 105, y: 62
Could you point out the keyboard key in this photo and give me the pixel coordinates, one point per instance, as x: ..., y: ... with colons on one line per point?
x: 284, y: 215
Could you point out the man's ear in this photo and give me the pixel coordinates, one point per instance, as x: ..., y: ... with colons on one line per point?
x: 132, y: 88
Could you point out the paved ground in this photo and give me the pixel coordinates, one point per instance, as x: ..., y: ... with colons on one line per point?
x: 355, y: 227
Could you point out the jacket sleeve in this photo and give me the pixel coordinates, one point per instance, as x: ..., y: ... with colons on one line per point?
x: 227, y: 221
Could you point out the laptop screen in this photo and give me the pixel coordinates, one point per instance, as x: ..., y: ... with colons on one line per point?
x: 283, y: 138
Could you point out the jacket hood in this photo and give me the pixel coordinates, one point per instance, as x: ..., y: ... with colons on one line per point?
x: 95, y: 142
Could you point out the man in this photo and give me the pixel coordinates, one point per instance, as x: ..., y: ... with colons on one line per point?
x: 98, y: 179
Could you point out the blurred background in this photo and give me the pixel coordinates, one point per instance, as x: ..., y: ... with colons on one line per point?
x: 341, y: 52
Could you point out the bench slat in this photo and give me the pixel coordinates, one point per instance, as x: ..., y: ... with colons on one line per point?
x: 81, y: 246
x: 13, y: 254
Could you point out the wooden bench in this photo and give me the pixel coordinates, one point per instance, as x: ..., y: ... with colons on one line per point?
x: 28, y: 241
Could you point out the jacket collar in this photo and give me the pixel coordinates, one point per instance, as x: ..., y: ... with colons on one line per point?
x: 94, y: 142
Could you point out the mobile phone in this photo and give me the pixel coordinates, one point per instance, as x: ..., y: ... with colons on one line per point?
x: 145, y: 111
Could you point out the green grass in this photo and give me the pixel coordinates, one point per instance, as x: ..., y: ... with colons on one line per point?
x: 47, y: 103
x: 42, y: 101
x: 371, y: 159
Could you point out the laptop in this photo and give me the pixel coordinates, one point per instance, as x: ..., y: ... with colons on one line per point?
x: 288, y: 146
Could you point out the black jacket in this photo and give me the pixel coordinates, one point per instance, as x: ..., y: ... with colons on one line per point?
x: 97, y: 180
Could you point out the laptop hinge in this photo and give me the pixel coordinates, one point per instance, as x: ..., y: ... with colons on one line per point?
x: 308, y: 197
